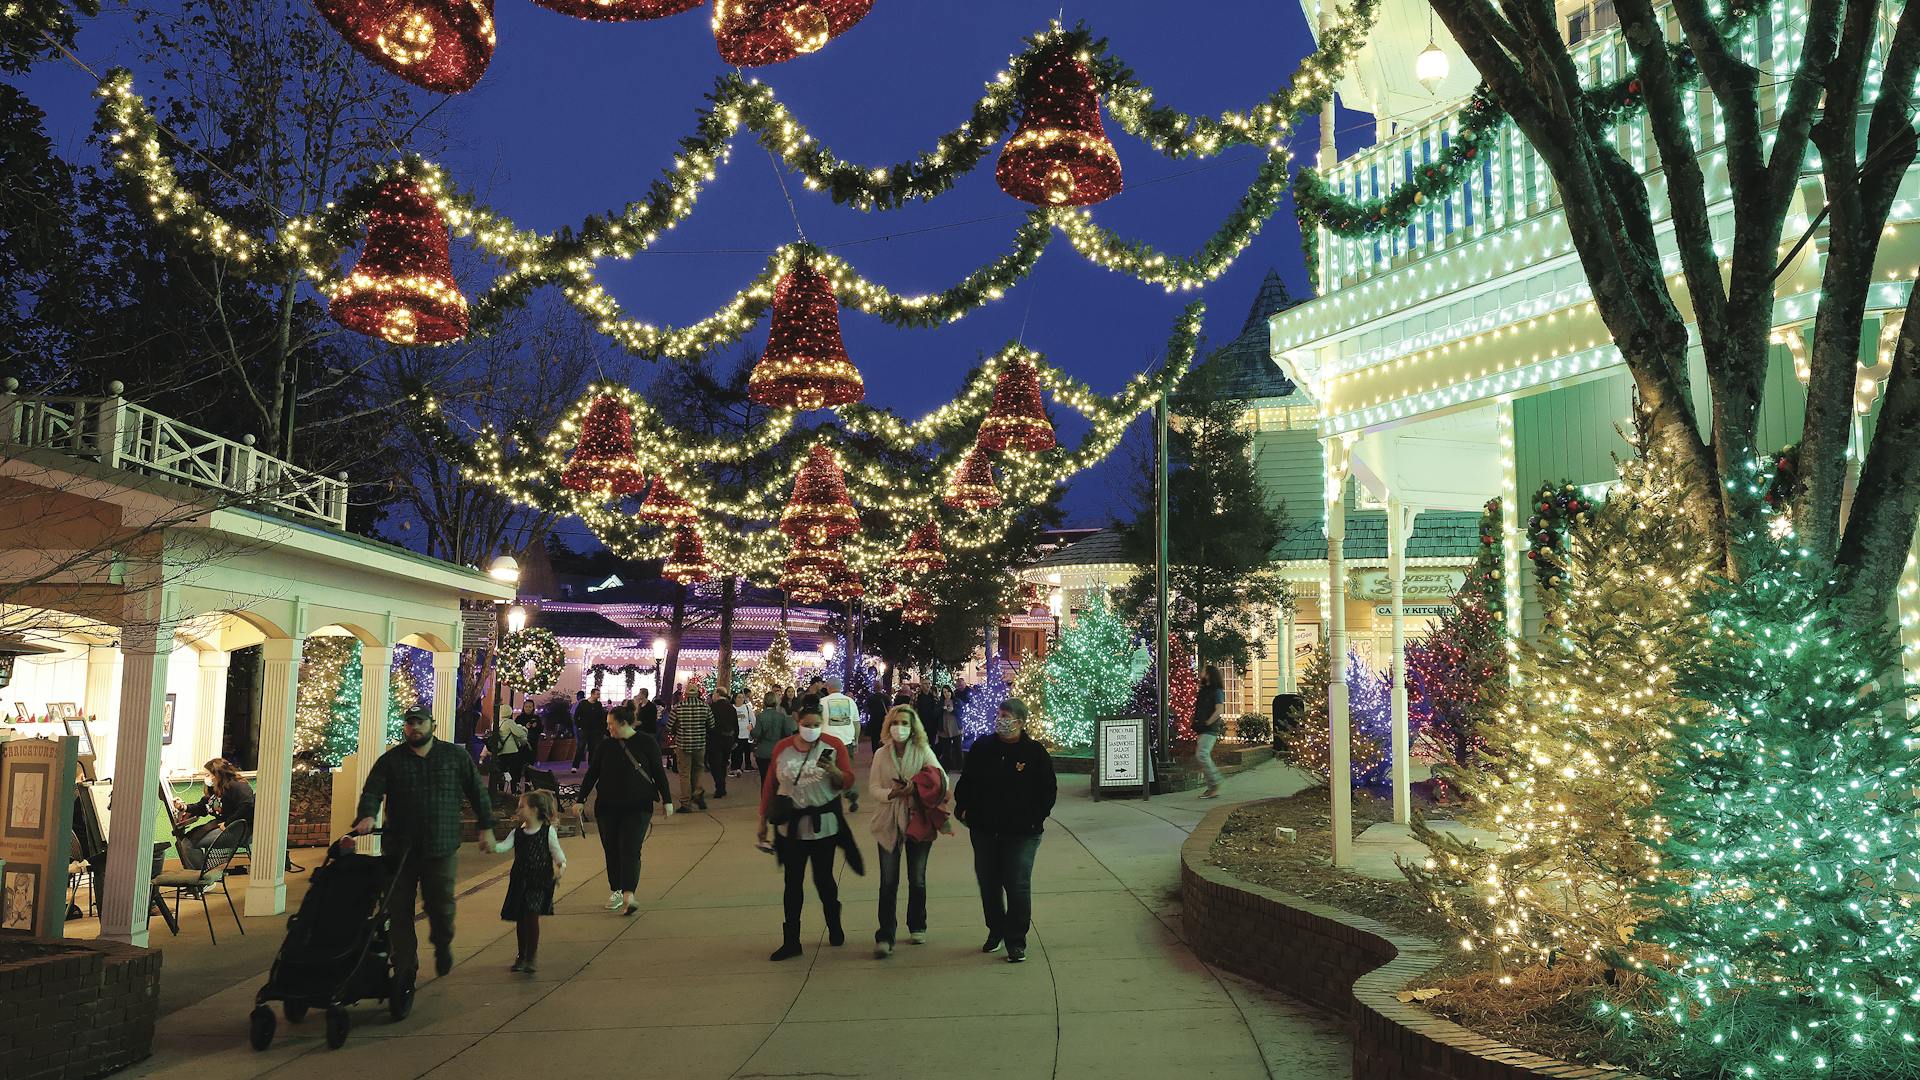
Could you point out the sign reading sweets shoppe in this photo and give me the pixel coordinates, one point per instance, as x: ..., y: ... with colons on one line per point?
x: 1434, y: 584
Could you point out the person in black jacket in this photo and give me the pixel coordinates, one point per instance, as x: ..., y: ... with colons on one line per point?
x: 589, y: 727
x: 229, y: 801
x: 626, y: 769
x: 1004, y: 796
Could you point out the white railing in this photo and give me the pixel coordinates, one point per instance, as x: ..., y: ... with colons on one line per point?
x: 1510, y: 186
x: 122, y: 435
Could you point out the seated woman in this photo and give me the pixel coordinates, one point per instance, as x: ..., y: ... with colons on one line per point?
x: 229, y: 801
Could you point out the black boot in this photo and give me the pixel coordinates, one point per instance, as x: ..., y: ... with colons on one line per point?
x: 790, y: 945
x: 835, y: 935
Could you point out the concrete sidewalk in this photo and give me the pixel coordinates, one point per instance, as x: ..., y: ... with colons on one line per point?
x: 684, y: 991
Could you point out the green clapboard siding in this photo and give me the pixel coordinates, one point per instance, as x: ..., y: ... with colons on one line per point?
x: 1568, y: 433
x: 1783, y: 402
x: 1288, y: 466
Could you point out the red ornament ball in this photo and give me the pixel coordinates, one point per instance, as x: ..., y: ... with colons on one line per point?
x: 750, y: 33
x: 438, y: 45
x: 402, y: 289
x: 1059, y: 155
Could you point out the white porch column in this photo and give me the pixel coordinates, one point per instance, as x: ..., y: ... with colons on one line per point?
x: 1289, y: 681
x: 1339, y: 733
x: 376, y: 670
x: 272, y: 803
x: 446, y: 694
x: 1399, y: 526
x: 213, y: 703
x: 146, y: 643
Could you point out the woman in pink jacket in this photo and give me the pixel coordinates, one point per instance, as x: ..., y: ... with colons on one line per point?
x: 914, y: 800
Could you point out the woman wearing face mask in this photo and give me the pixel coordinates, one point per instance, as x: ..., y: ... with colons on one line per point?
x: 912, y: 790
x: 810, y: 771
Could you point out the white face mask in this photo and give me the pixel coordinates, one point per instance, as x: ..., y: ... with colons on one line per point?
x: 810, y: 734
x: 902, y: 732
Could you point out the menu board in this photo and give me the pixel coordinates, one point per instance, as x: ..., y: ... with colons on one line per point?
x: 1120, y: 755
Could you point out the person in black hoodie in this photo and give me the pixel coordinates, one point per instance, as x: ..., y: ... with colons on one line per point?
x: 1004, y: 796
x: 626, y: 769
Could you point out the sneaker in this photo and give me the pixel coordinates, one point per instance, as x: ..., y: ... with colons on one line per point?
x: 518, y: 964
x: 1016, y: 955
x: 527, y: 967
x: 442, y: 960
x: 919, y: 937
x: 1210, y: 793
x: 882, y: 950
x: 992, y: 945
x: 701, y: 802
x: 613, y: 901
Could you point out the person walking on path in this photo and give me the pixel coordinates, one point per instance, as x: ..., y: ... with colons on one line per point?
x: 743, y: 733
x: 1003, y: 798
x: 422, y: 781
x: 538, y: 863
x: 726, y: 722
x: 876, y: 706
x: 1209, y: 723
x: 509, y: 745
x: 691, y: 719
x: 646, y: 714
x: 801, y: 795
x: 626, y: 771
x: 842, y: 719
x: 912, y: 796
x: 770, y: 725
x: 589, y: 727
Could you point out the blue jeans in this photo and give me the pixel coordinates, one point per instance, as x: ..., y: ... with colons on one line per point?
x: 916, y: 852
x: 1004, y: 867
x: 1204, y: 751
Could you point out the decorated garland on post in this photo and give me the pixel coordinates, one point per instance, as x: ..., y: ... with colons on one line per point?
x: 1556, y: 510
x: 531, y: 659
x: 1783, y: 479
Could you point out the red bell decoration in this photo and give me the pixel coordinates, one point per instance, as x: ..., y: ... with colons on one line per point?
x: 402, y: 289
x: 819, y: 509
x: 844, y: 584
x: 1017, y: 419
x: 805, y: 365
x: 688, y: 563
x: 1059, y: 156
x: 619, y: 10
x: 755, y: 32
x: 917, y: 609
x: 438, y: 45
x: 923, y: 553
x: 665, y: 506
x: 603, y: 460
x: 809, y: 572
x: 972, y: 487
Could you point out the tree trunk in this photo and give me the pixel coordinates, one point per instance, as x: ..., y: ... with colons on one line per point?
x: 723, y: 681
x: 675, y: 624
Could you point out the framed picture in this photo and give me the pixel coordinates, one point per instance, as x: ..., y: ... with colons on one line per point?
x: 19, y: 897
x: 27, y: 800
x: 60, y: 710
x: 166, y: 722
x: 20, y: 711
x: 77, y: 727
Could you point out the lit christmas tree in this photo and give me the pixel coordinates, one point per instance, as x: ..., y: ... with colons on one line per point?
x: 1030, y: 686
x: 1369, y: 716
x: 1182, y: 686
x: 775, y: 672
x: 1784, y: 833
x: 410, y: 686
x: 1456, y: 673
x: 1568, y: 763
x: 1088, y: 674
x: 982, y: 710
x: 326, y: 716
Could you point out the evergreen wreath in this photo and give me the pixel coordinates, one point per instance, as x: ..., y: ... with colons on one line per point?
x: 530, y: 660
x: 1557, y: 509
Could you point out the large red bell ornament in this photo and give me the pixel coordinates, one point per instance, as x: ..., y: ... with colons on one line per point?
x: 1017, y: 419
x: 688, y: 563
x: 917, y: 609
x: 1059, y: 155
x: 805, y: 365
x: 972, y: 487
x: 438, y: 45
x: 750, y: 33
x: 819, y: 509
x: 619, y: 10
x: 923, y: 553
x: 402, y: 289
x: 603, y: 461
x: 665, y: 506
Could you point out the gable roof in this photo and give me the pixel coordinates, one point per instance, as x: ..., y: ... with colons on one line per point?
x: 1244, y: 368
x: 1104, y: 548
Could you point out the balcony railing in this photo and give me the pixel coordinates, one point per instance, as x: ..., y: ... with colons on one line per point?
x: 122, y: 435
x: 1512, y: 186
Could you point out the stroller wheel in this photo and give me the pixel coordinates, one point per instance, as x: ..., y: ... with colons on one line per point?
x: 260, y: 1027
x: 336, y: 1027
x: 295, y: 1012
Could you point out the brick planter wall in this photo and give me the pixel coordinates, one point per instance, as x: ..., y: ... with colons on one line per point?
x: 78, y: 1013
x: 1349, y: 965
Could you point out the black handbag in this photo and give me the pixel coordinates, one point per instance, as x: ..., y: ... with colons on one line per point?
x: 780, y: 808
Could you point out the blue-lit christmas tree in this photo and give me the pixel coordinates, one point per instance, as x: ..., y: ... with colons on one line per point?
x: 982, y: 710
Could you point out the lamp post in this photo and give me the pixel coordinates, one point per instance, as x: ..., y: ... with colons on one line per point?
x: 506, y: 570
x: 826, y: 654
x: 659, y: 658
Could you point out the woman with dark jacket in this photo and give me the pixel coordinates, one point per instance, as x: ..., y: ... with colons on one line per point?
x: 1003, y: 798
x: 626, y: 770
x: 229, y: 801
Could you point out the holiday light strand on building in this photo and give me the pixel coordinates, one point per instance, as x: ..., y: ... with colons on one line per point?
x: 313, y: 244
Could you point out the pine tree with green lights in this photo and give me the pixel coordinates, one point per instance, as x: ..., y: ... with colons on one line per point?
x: 1785, y: 830
x: 1088, y: 674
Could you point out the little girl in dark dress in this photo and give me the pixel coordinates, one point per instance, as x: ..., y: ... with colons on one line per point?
x: 537, y: 865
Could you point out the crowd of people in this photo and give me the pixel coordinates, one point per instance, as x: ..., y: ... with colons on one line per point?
x: 802, y: 742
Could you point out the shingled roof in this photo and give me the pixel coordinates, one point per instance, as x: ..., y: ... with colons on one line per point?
x: 1437, y: 534
x: 1104, y: 548
x: 1243, y: 368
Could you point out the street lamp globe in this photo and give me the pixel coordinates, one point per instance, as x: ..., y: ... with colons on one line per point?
x: 826, y: 649
x: 505, y: 569
x: 516, y: 619
x: 659, y: 649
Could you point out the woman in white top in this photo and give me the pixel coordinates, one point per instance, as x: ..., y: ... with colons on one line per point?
x: 896, y: 780
x: 743, y: 740
x: 810, y: 771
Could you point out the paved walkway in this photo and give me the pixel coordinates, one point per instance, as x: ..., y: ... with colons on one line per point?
x: 684, y: 991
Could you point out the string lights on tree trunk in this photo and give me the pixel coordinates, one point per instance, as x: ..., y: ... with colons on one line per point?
x: 1060, y: 154
x: 805, y: 365
x: 972, y: 486
x: 438, y: 45
x: 751, y: 33
x: 1017, y: 419
x: 402, y: 289
x: 603, y: 461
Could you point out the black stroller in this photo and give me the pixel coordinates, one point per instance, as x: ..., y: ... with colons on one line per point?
x: 336, y: 949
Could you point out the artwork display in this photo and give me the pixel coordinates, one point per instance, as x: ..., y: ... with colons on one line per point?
x: 27, y: 801
x: 36, y: 822
x: 19, y: 897
x: 166, y: 722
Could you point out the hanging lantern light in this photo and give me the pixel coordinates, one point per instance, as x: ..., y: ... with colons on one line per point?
x: 1059, y: 156
x: 1431, y: 66
x: 402, y: 289
x: 1017, y: 419
x: 972, y: 486
x: 751, y: 33
x: 923, y: 553
x: 665, y: 506
x: 688, y: 563
x: 603, y: 461
x: 438, y: 45
x: 917, y: 608
x: 619, y: 10
x: 805, y: 365
x: 819, y: 509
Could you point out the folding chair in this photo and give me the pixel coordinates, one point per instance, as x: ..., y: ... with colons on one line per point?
x: 194, y: 884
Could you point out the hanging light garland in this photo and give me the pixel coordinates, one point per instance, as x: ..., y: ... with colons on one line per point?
x: 805, y: 365
x: 603, y: 461
x: 1017, y: 418
x: 751, y: 33
x: 438, y: 45
x: 402, y: 289
x: 1060, y: 154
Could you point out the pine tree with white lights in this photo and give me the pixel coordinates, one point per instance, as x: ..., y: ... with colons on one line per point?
x: 1030, y: 687
x: 775, y: 672
x: 1087, y: 674
x: 982, y: 711
x: 1787, y: 851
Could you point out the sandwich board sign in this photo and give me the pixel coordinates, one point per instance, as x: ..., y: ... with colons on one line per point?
x: 1120, y: 765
